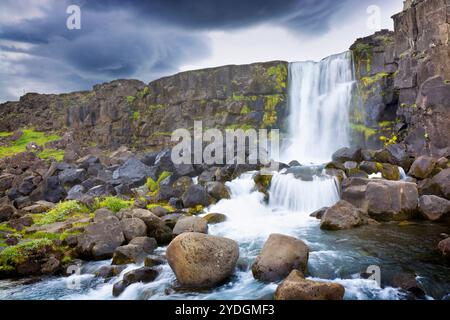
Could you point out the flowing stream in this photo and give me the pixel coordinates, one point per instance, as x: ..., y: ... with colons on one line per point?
x: 319, y: 97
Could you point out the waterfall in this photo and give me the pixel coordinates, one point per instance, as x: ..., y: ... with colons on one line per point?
x: 320, y: 94
x: 302, y: 196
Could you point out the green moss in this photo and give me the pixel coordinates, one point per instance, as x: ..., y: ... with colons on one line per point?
x: 136, y: 115
x: 368, y: 132
x: 245, y: 110
x: 29, y: 135
x: 114, y: 204
x: 363, y: 53
x: 244, y: 127
x: 131, y: 99
x: 154, y: 107
x: 153, y: 186
x: 14, y: 255
x: 6, y: 228
x: 161, y: 204
x: 52, y: 153
x: 196, y: 210
x: 370, y: 81
x: 270, y: 114
x: 280, y: 73
x: 60, y: 212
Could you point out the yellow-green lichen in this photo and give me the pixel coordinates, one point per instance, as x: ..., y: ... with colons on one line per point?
x: 280, y: 73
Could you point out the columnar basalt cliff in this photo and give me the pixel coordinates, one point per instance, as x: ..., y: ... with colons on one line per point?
x: 404, y: 80
x: 128, y: 112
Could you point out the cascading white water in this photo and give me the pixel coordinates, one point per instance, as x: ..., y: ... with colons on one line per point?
x: 320, y: 94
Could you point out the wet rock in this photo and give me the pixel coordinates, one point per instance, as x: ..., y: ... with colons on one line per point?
x: 262, y: 182
x: 108, y: 272
x: 217, y: 190
x: 433, y: 207
x: 442, y: 163
x: 343, y: 215
x: 215, y: 218
x: 295, y: 287
x: 280, y: 255
x: 347, y: 154
x: 190, y: 224
x: 144, y: 275
x: 422, y: 167
x: 171, y: 220
x: 444, y: 247
x: 101, y: 238
x: 319, y: 213
x: 202, y: 261
x: 135, y: 251
x: 194, y: 196
x: 153, y: 261
x: 133, y: 228
x: 408, y: 282
x: 439, y: 185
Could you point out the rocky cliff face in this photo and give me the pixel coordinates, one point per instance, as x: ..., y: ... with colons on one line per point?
x: 404, y: 81
x: 129, y: 112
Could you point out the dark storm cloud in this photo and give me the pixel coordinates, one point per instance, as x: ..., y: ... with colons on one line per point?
x: 130, y: 39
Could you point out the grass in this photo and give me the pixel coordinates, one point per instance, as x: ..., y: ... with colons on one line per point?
x: 60, y: 212
x: 5, y: 134
x: 29, y: 135
x: 113, y: 203
x: 52, y: 153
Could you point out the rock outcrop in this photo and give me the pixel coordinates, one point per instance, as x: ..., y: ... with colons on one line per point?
x: 404, y: 78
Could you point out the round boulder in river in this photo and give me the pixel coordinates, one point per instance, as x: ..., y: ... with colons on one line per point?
x: 280, y: 255
x: 202, y: 261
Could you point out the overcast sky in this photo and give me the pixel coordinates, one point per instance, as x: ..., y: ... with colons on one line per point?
x: 149, y: 39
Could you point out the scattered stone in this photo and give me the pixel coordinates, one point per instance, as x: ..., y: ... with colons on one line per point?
x: 217, y: 190
x: 108, y: 272
x: 194, y: 196
x: 343, y: 215
x: 319, y: 213
x: 144, y: 275
x: 153, y: 261
x: 444, y: 247
x: 422, y: 167
x: 295, y: 287
x: 135, y: 251
x: 347, y: 154
x: 133, y: 228
x: 215, y: 218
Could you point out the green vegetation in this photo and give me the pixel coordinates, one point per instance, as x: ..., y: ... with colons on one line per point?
x: 52, y: 153
x: 245, y: 110
x: 143, y: 93
x: 366, y: 131
x: 114, y: 204
x: 154, y: 107
x: 370, y: 81
x: 14, y: 255
x: 388, y: 141
x: 161, y: 204
x: 131, y: 99
x: 280, y: 73
x: 244, y: 127
x: 60, y: 212
x: 270, y: 113
x: 29, y: 135
x: 363, y: 53
x: 153, y: 186
x: 136, y: 115
x: 5, y: 134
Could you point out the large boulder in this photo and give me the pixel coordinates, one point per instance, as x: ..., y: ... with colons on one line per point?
x: 384, y: 200
x: 136, y: 172
x: 343, y: 215
x: 72, y: 176
x: 295, y: 287
x: 194, y: 196
x: 133, y: 228
x: 190, y: 224
x: 280, y: 255
x: 200, y: 260
x: 102, y: 237
x: 422, y: 167
x: 439, y: 185
x: 433, y: 207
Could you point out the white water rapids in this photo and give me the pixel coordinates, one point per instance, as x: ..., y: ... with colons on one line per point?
x: 319, y: 95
